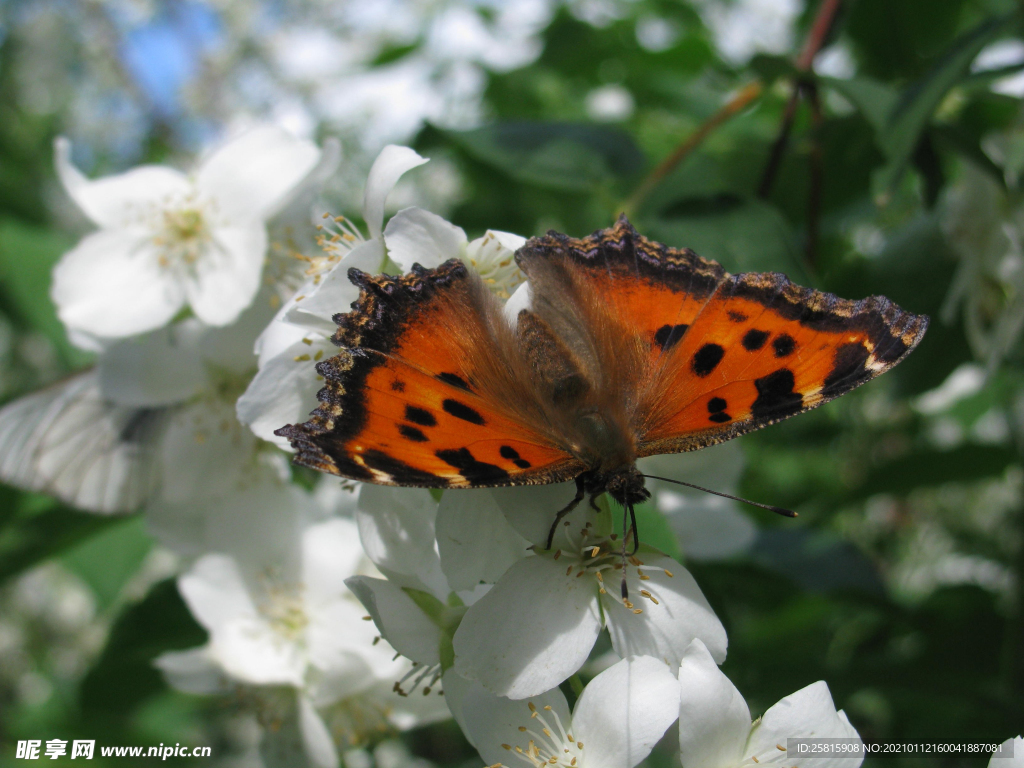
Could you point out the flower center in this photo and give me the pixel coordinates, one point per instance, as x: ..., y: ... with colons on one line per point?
x: 599, y: 558
x: 357, y: 720
x: 285, y: 611
x: 496, y: 265
x: 546, y: 741
x: 182, y: 234
x: 337, y: 236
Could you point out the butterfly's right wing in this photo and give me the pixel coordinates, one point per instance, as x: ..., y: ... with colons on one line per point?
x: 71, y: 443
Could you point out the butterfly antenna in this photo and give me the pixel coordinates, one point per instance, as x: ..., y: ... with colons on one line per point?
x: 776, y: 510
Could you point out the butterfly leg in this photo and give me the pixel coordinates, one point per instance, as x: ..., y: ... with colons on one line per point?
x: 567, y: 509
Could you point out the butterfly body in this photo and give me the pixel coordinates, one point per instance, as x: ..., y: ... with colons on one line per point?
x: 627, y: 349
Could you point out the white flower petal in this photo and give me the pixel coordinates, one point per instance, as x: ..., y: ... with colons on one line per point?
x: 396, y: 526
x: 335, y: 292
x: 509, y: 240
x: 229, y: 274
x: 1016, y: 746
x: 531, y: 631
x: 392, y: 162
x: 474, y: 540
x: 162, y: 367
x: 284, y: 389
x: 530, y: 510
x: 808, y: 713
x: 664, y: 630
x: 192, y: 671
x: 624, y: 711
x: 330, y: 554
x: 316, y: 739
x: 252, y: 176
x: 714, y: 721
x: 519, y: 300
x: 416, y: 236
x: 251, y: 651
x: 490, y: 721
x: 205, y: 452
x: 111, y: 285
x: 216, y: 593
x: 712, y: 529
x: 114, y: 200
x: 406, y: 628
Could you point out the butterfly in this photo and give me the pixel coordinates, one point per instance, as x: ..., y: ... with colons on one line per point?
x: 69, y: 441
x: 629, y: 348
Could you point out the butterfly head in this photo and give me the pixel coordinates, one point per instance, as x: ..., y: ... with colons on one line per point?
x: 625, y: 485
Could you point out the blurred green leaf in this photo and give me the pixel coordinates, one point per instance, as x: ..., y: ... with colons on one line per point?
x: 124, y: 676
x: 741, y: 235
x: 27, y: 256
x: 918, y: 103
x: 28, y: 538
x: 967, y: 463
x: 109, y: 559
x: 874, y: 99
x: 560, y: 156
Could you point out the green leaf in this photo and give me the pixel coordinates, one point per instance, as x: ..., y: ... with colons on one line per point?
x: 741, y: 235
x: 31, y: 537
x: 874, y: 99
x: 109, y: 559
x: 123, y: 676
x: 918, y: 103
x: 562, y: 156
x: 27, y: 257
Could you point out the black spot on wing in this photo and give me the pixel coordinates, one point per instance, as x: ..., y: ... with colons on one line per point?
x: 411, y: 433
x: 476, y: 472
x: 462, y: 411
x: 707, y: 359
x: 754, y: 339
x: 420, y: 416
x: 737, y: 317
x: 668, y: 336
x: 454, y: 380
x: 397, y: 386
x: 510, y: 453
x: 784, y: 345
x: 716, y: 409
x: 775, y: 396
x: 401, y: 472
x: 848, y: 369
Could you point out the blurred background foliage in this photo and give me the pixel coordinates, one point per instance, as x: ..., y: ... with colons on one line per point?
x: 860, y: 146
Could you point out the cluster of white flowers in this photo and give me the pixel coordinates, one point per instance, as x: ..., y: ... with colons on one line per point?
x: 202, y: 354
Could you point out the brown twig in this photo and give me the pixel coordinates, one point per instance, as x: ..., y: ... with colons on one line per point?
x: 816, y: 37
x: 736, y: 104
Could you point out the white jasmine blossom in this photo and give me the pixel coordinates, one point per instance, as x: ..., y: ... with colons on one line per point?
x: 538, y: 624
x: 167, y: 240
x: 280, y: 619
x: 715, y: 730
x: 617, y: 720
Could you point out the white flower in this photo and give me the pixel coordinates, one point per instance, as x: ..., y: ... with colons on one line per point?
x: 715, y: 730
x: 152, y: 423
x: 1014, y: 746
x: 167, y: 240
x: 284, y: 390
x: 617, y: 720
x: 279, y: 618
x: 537, y: 626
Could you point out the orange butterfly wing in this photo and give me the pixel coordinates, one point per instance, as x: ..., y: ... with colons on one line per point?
x: 726, y: 354
x: 405, y: 401
x: 763, y: 349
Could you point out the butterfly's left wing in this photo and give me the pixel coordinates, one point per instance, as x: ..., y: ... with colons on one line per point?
x: 763, y: 349
x: 70, y: 442
x: 429, y: 390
